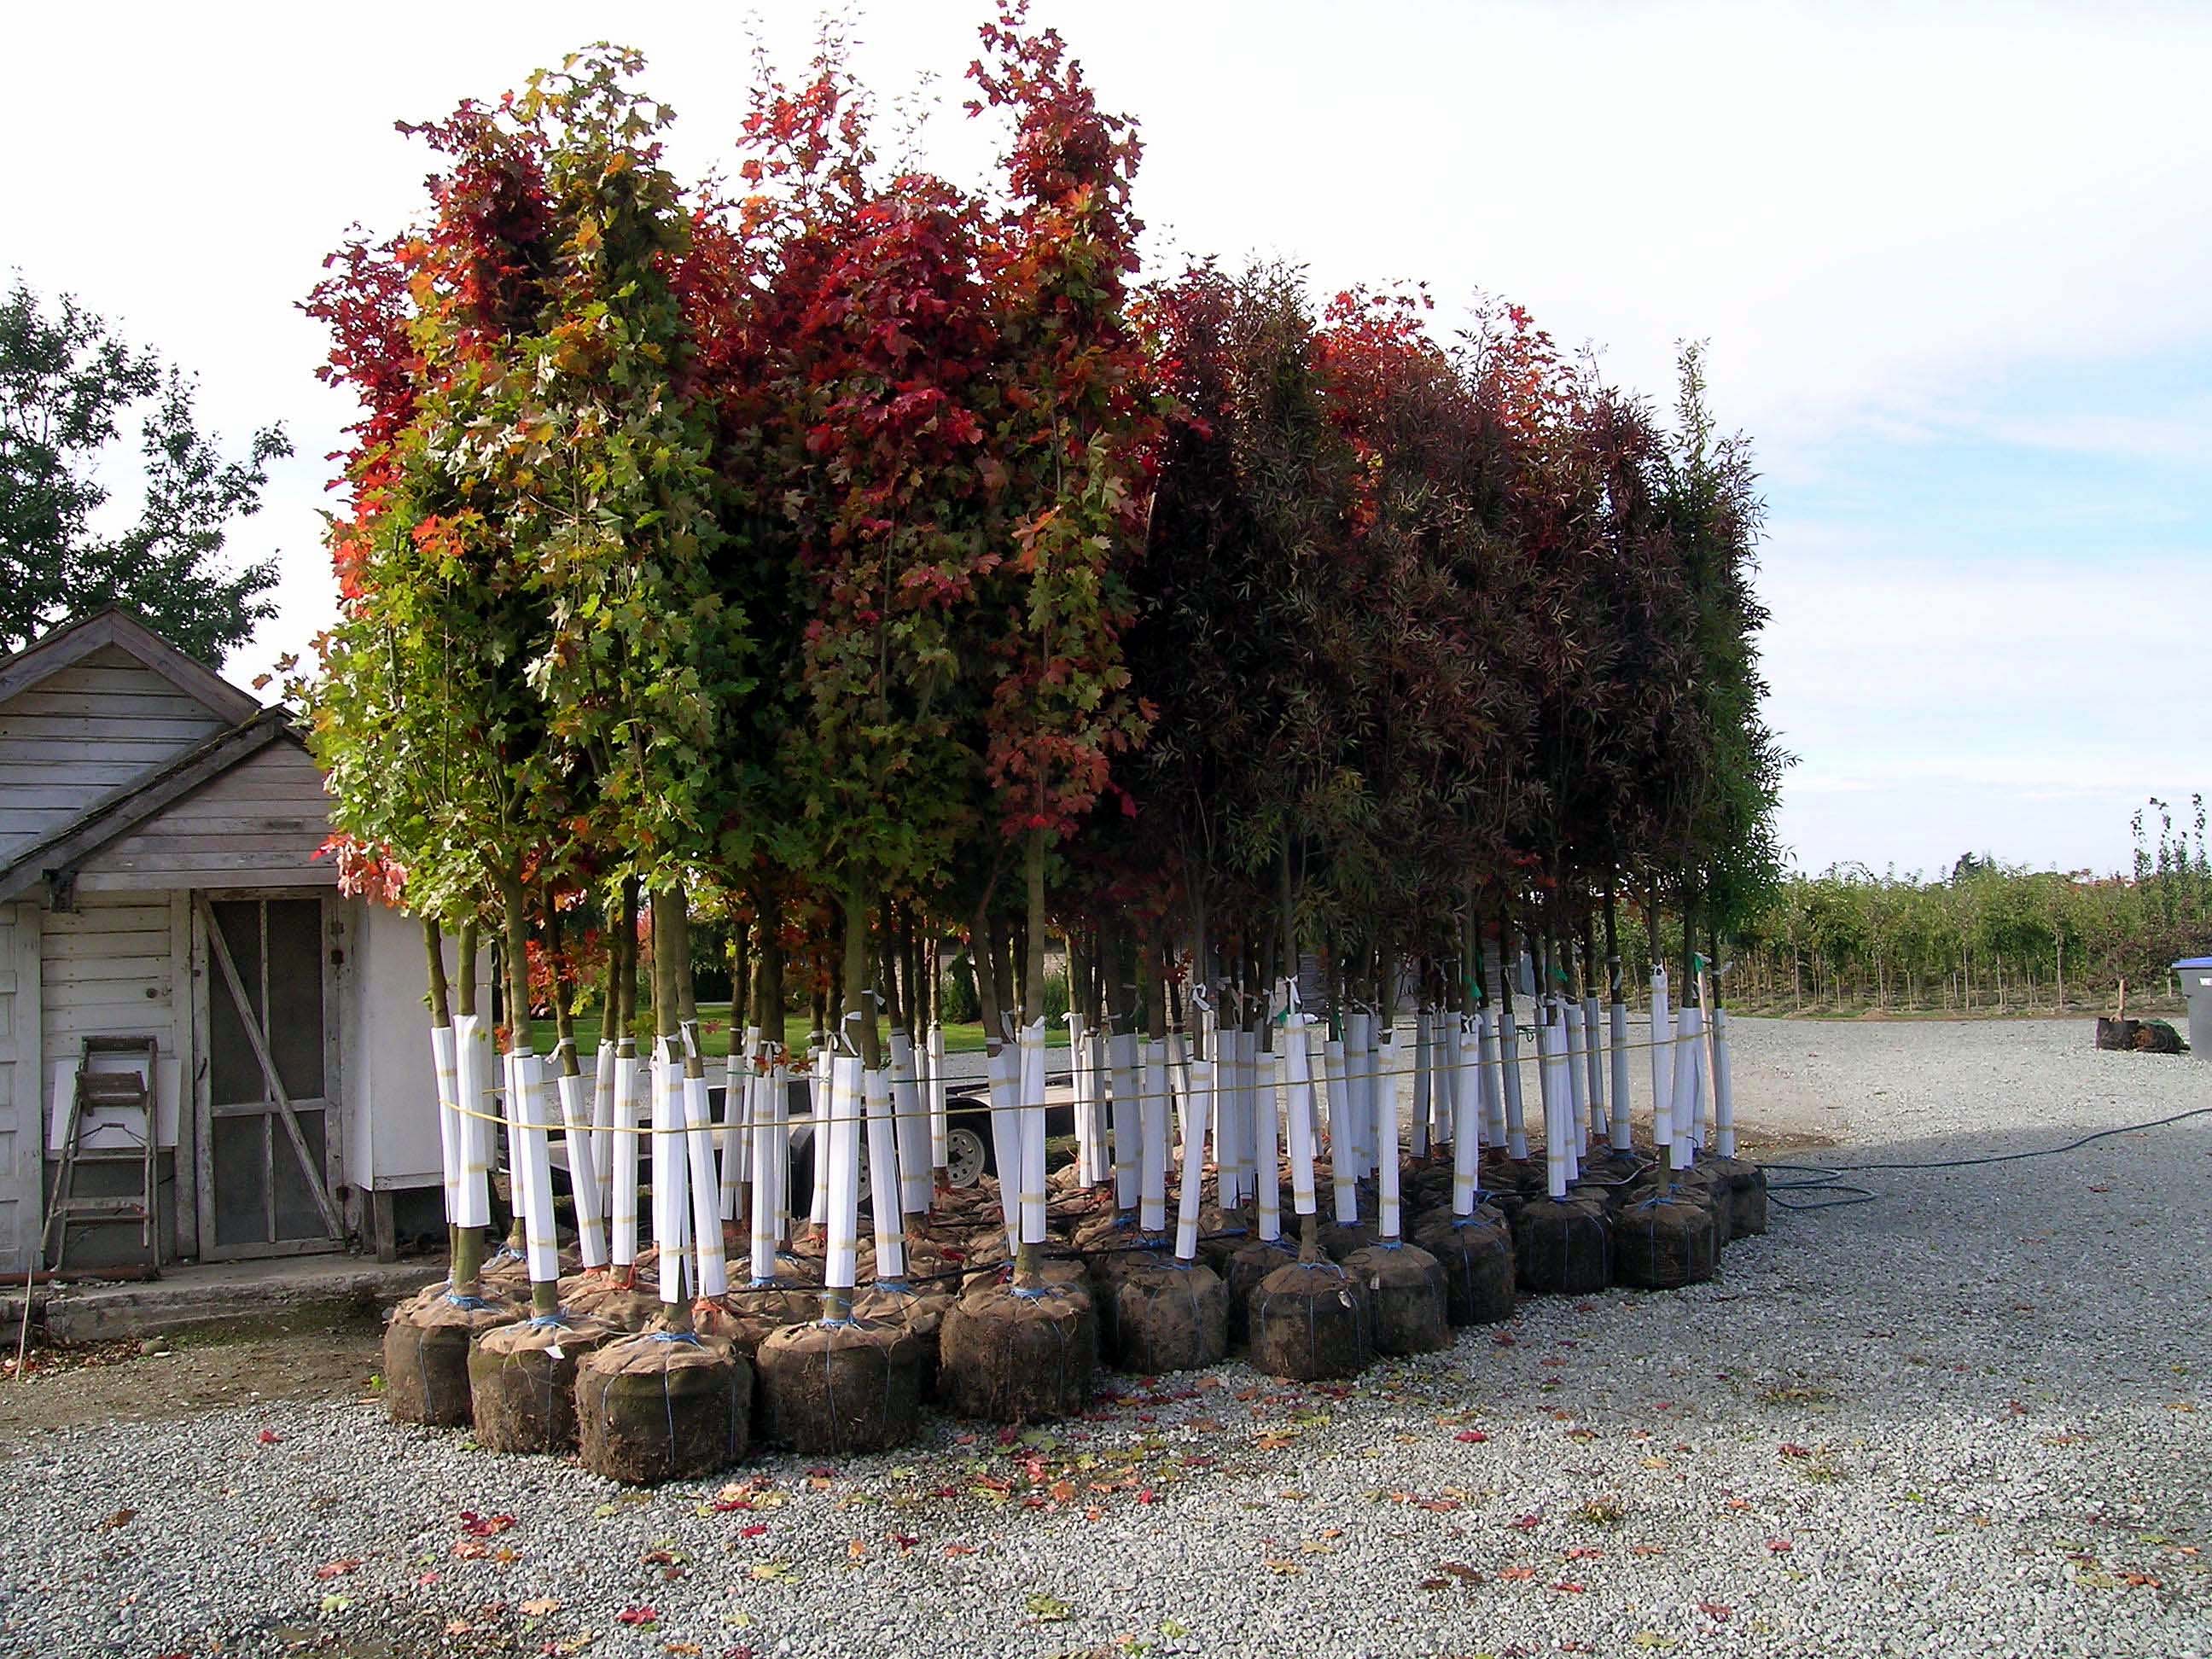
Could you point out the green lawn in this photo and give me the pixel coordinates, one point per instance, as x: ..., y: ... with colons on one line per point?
x: 714, y: 1027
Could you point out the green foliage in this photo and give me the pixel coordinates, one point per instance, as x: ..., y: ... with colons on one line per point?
x: 67, y: 387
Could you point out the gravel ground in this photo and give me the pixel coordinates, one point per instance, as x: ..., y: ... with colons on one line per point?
x: 1970, y: 1416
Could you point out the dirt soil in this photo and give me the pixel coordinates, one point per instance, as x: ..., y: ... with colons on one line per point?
x: 312, y: 1355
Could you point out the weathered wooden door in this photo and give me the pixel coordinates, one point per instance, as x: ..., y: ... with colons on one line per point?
x: 266, y: 1076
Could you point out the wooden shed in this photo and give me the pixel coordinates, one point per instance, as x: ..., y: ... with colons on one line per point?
x: 159, y: 881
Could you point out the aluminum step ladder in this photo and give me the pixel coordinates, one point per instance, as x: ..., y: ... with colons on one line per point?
x: 115, y: 1079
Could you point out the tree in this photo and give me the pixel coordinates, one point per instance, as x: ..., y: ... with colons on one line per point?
x: 67, y: 387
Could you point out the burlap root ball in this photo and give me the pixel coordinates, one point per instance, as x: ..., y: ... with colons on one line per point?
x: 1018, y: 1355
x: 426, y: 1354
x: 656, y: 1407
x: 601, y: 1296
x: 1221, y: 1233
x: 1406, y: 1290
x: 1170, y: 1315
x: 1699, y: 1184
x: 920, y: 1309
x: 1253, y: 1262
x: 1476, y: 1252
x: 1662, y: 1244
x: 1310, y: 1322
x: 1562, y: 1248
x: 522, y: 1382
x: 751, y: 1314
x: 854, y: 1385
x: 1339, y: 1239
x: 1743, y: 1185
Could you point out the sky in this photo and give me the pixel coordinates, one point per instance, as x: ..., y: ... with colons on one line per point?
x: 1951, y: 262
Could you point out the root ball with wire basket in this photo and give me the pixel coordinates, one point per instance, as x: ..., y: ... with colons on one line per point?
x: 1405, y: 1292
x: 1562, y: 1247
x: 1664, y: 1243
x: 1170, y: 1315
x: 522, y: 1382
x: 1476, y: 1253
x: 1254, y: 1261
x: 918, y: 1309
x: 660, y: 1407
x: 1019, y: 1355
x: 1310, y: 1322
x: 426, y: 1354
x: 1742, y: 1185
x: 841, y: 1386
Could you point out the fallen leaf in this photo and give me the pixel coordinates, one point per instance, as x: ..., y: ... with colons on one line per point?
x: 338, y: 1569
x: 765, y: 1571
x: 1718, y: 1612
x: 540, y: 1606
x: 960, y: 1549
x: 1792, y: 1450
x: 1516, y: 1573
x: 1285, y: 1569
x: 120, y: 1518
x: 1647, y: 1549
x: 270, y: 1437
x: 856, y: 1549
x: 1436, y: 1583
x: 1569, y: 1588
x: 484, y: 1526
x: 1585, y: 1552
x: 1779, y: 1545
x: 1471, y: 1437
x: 637, y: 1616
x: 755, y: 1530
x: 1047, y: 1609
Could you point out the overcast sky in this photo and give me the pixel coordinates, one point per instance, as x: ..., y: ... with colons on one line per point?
x: 1955, y: 264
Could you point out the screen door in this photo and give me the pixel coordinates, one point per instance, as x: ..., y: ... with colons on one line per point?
x: 267, y: 1083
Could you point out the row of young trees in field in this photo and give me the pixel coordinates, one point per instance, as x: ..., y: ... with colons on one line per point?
x: 1986, y: 935
x: 873, y: 560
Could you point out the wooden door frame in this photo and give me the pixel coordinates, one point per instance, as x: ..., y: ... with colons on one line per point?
x: 204, y: 968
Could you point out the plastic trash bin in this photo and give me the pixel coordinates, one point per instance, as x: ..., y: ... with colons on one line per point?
x: 2195, y: 976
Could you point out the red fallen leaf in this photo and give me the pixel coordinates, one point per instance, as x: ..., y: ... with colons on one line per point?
x: 1505, y: 1339
x: 338, y: 1569
x: 1526, y: 1522
x: 1569, y: 1588
x: 1739, y: 1503
x: 731, y: 1505
x: 1718, y: 1612
x: 484, y: 1526
x: 757, y: 1530
x: 268, y: 1436
x: 1791, y: 1449
x: 1779, y: 1545
x: 426, y: 1579
x: 1145, y: 1496
x: 2141, y: 1580
x: 637, y: 1616
x: 1516, y: 1573
x: 905, y: 1541
x: 2101, y: 1189
x: 1585, y: 1552
x: 1471, y: 1436
x: 960, y: 1549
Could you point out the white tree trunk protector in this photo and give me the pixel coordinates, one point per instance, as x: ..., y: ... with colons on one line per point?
x: 1466, y: 1133
x: 671, y: 1186
x: 1298, y: 1069
x: 516, y: 1108
x: 472, y: 1086
x: 1509, y: 1071
x: 1128, y: 1159
x: 1153, y: 1187
x: 1681, y: 1092
x: 1493, y: 1090
x: 603, y: 1123
x: 446, y: 1069
x: 621, y: 1164
x: 583, y: 1177
x: 1002, y: 1071
x: 938, y: 1123
x: 1723, y: 1089
x: 1266, y: 1170
x: 714, y: 1270
x: 1030, y: 1051
x: 1662, y: 1065
x: 1079, y: 1077
x: 1424, y: 1085
x: 1619, y: 1057
x: 1578, y: 1089
x: 842, y: 1266
x: 1343, y: 1156
x: 737, y: 1130
x: 1386, y: 1157
x: 1178, y: 1071
x: 886, y: 1175
x: 820, y: 1108
x: 1567, y: 1065
x: 1358, y: 1117
x: 1556, y: 1139
x: 910, y: 1125
x: 1194, y: 1160
x: 532, y: 1170
x: 1594, y: 1057
x: 771, y: 1168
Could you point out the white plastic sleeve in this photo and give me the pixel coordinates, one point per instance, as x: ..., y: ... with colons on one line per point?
x: 840, y: 1266
x: 885, y: 1172
x: 583, y: 1177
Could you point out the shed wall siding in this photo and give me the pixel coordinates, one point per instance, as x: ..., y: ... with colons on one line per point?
x: 258, y: 826
x: 21, y: 1200
x: 84, y: 732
